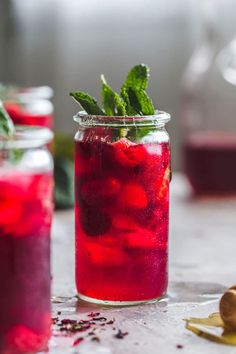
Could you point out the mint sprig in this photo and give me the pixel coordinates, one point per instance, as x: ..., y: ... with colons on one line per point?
x: 133, y: 91
x: 133, y: 99
x: 130, y: 104
x: 7, y: 129
x: 6, y: 124
x: 87, y: 102
x: 113, y: 104
x: 140, y: 101
x: 137, y: 77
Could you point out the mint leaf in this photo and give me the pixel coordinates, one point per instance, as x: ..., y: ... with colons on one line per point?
x: 134, y: 94
x: 87, y: 102
x: 120, y: 105
x: 138, y: 77
x: 112, y: 102
x: 6, y: 124
x: 144, y: 102
x: 131, y: 111
x: 137, y: 102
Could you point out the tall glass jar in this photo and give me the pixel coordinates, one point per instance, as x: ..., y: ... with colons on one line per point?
x: 122, y: 173
x: 208, y: 106
x: 26, y: 186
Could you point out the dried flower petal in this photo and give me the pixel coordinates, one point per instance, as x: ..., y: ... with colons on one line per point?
x: 93, y: 314
x: 95, y: 339
x: 78, y: 341
x: 120, y: 334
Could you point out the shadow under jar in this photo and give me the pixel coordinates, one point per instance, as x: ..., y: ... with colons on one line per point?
x: 26, y: 185
x: 122, y: 173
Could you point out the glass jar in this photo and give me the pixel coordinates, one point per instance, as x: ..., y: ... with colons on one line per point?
x: 208, y: 106
x: 30, y: 106
x: 26, y: 186
x: 122, y: 173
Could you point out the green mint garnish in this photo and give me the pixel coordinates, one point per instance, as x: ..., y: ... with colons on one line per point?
x: 7, y: 129
x: 6, y: 124
x: 142, y: 102
x: 130, y: 107
x: 133, y: 91
x: 133, y: 99
x: 87, y: 102
x: 113, y: 104
x: 137, y: 77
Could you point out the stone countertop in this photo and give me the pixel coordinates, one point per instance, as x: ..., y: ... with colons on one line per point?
x: 202, y: 264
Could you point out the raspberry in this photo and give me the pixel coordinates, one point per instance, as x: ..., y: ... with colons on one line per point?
x: 123, y: 222
x: 111, y: 241
x: 106, y: 256
x: 141, y: 239
x: 123, y: 144
x: 127, y: 153
x: 22, y: 339
x: 133, y: 196
x: 94, y: 221
x: 95, y: 189
x: 10, y: 213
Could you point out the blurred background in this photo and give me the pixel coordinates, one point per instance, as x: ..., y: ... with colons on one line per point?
x: 67, y: 44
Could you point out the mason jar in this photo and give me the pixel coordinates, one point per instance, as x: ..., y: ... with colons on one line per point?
x: 122, y: 173
x: 26, y: 186
x: 30, y: 106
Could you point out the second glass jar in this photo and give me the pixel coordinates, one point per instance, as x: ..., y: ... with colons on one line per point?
x: 26, y: 191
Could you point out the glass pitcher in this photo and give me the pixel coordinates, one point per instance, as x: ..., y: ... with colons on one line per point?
x: 208, y: 106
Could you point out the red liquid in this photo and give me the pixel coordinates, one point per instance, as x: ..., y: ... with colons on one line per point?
x: 25, y: 220
x: 21, y: 117
x: 210, y: 163
x: 122, y: 202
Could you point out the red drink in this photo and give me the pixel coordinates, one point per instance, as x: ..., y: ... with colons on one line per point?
x: 26, y: 185
x: 122, y: 201
x: 210, y: 163
x: 25, y: 220
x: 22, y: 116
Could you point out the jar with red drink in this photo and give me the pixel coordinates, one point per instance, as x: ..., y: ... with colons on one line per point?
x: 122, y: 174
x: 26, y: 188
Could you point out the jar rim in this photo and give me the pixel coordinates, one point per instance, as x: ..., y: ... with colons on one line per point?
x: 159, y: 119
x: 26, y: 137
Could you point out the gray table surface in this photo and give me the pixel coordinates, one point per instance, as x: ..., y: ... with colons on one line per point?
x: 202, y: 263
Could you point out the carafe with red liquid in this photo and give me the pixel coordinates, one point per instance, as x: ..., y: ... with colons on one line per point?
x: 122, y: 173
x: 26, y: 185
x: 208, y: 106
